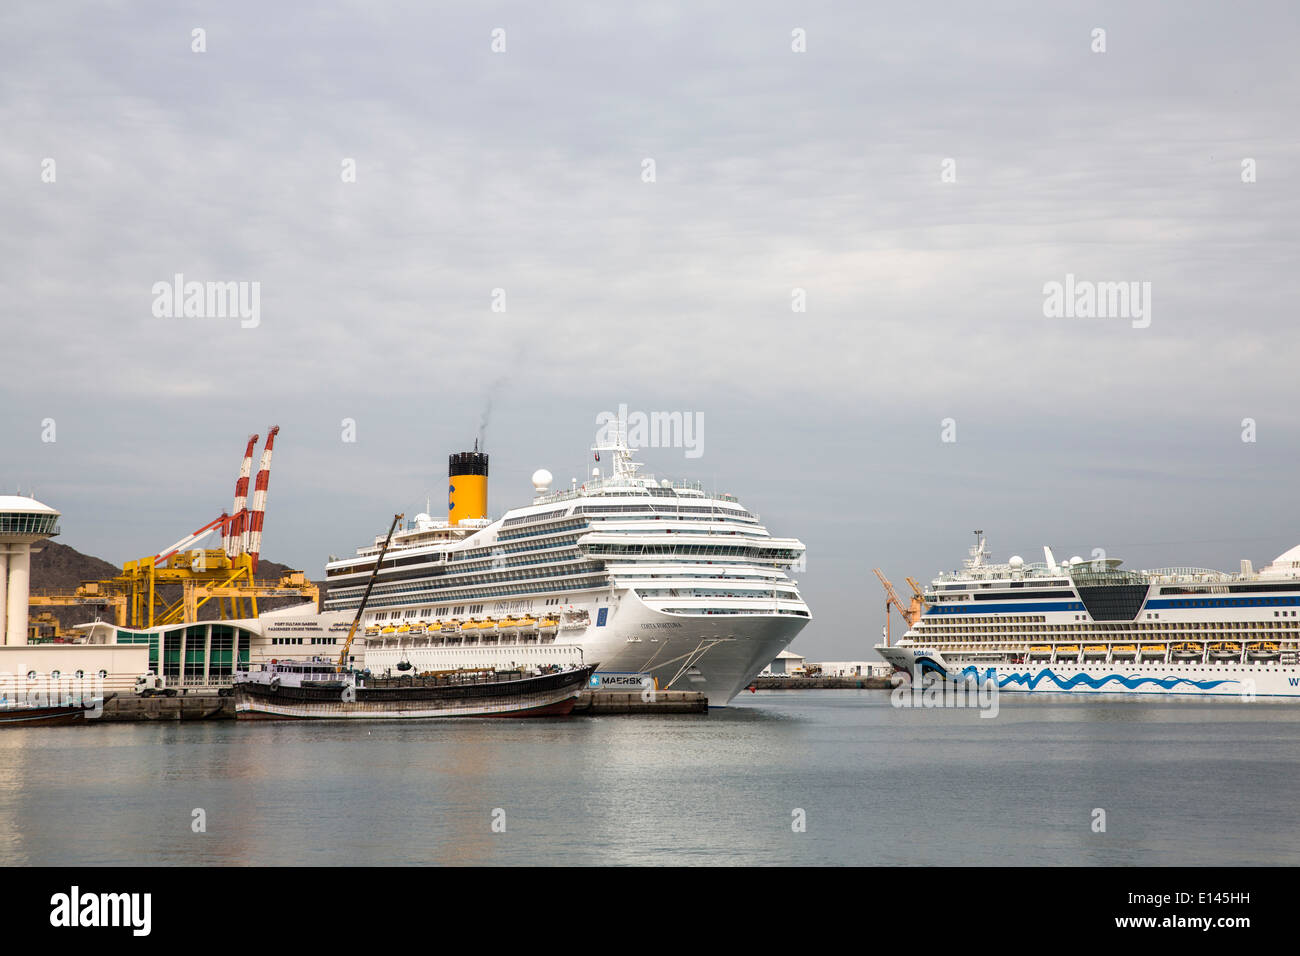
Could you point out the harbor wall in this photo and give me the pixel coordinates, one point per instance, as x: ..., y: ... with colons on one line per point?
x: 822, y: 683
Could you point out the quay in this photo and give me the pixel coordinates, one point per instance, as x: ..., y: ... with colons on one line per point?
x: 821, y: 683
x: 599, y: 703
x: 127, y: 708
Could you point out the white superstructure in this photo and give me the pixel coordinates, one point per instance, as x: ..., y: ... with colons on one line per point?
x: 1086, y: 626
x: 642, y: 576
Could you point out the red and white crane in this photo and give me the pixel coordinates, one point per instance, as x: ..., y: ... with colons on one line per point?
x: 241, y: 531
x: 190, y: 539
x: 232, y: 537
x: 258, y: 511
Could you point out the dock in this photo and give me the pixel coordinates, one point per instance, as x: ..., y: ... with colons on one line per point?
x: 822, y: 683
x: 600, y: 703
x: 125, y: 708
x: 128, y: 708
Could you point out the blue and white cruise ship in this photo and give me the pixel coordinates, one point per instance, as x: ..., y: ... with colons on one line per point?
x: 1087, y: 626
x: 645, y: 577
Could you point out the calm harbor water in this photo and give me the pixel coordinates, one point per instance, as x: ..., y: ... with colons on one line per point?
x: 1181, y: 781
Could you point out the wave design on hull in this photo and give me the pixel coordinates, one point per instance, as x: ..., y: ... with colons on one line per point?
x: 1031, y: 681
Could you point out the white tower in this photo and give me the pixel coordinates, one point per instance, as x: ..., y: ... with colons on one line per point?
x: 23, y: 522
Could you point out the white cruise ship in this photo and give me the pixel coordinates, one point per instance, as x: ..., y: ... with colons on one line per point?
x: 644, y: 577
x: 1086, y: 626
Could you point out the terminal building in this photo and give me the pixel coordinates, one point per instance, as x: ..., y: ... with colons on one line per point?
x: 24, y: 524
x: 786, y: 663
x: 855, y: 668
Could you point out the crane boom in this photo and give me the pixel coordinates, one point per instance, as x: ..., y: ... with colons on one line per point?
x: 891, y: 597
x: 233, y: 537
x: 356, y: 621
x: 190, y: 539
x: 919, y: 603
x: 252, y: 541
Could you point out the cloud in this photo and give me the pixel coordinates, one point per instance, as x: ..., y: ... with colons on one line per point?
x: 775, y: 171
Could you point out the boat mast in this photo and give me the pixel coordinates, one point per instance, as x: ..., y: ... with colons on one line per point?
x: 352, y: 632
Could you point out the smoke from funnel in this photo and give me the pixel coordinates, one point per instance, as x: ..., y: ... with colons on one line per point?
x: 483, y: 423
x: 484, y: 418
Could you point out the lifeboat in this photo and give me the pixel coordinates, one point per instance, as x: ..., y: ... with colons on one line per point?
x: 1095, y: 652
x: 1151, y: 652
x: 1188, y: 651
x: 451, y: 627
x: 1040, y: 652
x: 389, y: 630
x: 418, y: 628
x: 470, y: 625
x: 1225, y: 651
x: 549, y: 625
x: 487, y: 624
x: 507, y: 625
x: 372, y: 630
x: 405, y: 628
x: 1263, y: 651
x: 1070, y: 651
x: 527, y: 624
x: 1123, y: 652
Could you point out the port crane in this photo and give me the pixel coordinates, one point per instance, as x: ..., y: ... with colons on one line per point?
x: 226, y: 574
x: 919, y: 603
x: 911, y: 613
x: 356, y: 621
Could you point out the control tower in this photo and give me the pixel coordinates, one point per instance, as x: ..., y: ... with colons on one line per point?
x: 23, y: 522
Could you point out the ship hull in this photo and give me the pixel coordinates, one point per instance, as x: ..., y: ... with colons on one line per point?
x: 545, y: 696
x: 717, y: 655
x: 1225, y: 680
x: 40, y: 716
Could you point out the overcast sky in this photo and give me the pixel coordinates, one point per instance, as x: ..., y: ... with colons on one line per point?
x: 774, y: 170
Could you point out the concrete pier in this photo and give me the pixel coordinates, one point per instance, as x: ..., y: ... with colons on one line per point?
x: 129, y: 707
x: 599, y: 703
x: 822, y: 683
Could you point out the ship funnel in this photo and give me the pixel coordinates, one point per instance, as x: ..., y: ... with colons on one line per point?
x: 467, y: 476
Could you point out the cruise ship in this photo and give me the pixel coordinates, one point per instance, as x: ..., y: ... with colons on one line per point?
x: 1090, y: 626
x: 658, y: 582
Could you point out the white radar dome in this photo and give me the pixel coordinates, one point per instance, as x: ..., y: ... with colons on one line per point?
x: 1016, y: 561
x: 595, y: 472
x: 542, y: 479
x: 1076, y: 560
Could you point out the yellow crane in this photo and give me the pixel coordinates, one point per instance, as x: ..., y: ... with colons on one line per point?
x: 911, y: 613
x: 919, y: 603
x: 356, y: 621
x: 202, y: 574
x: 227, y: 574
x: 94, y: 593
